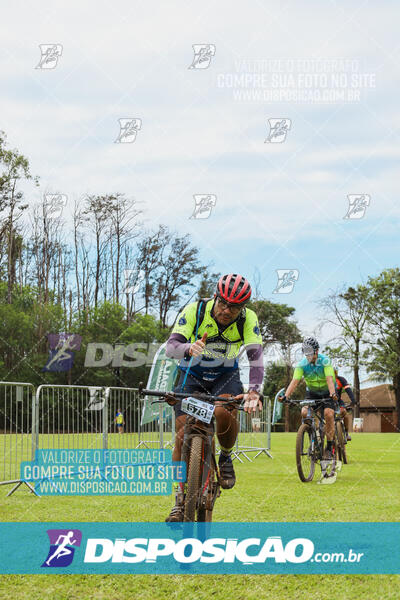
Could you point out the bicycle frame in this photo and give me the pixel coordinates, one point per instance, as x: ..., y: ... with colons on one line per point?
x: 316, y: 442
x: 209, y: 488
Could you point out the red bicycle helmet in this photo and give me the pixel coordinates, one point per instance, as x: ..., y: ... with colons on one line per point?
x: 234, y: 289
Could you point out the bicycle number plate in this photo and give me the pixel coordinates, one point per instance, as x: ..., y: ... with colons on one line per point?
x: 203, y: 411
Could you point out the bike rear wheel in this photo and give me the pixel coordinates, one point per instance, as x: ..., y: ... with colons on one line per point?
x: 305, y: 459
x: 341, y: 442
x: 193, y: 479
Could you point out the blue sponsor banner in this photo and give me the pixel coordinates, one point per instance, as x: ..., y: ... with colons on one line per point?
x: 196, y: 548
x: 88, y: 472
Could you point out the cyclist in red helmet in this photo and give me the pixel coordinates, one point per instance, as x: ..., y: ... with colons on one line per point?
x: 207, y: 338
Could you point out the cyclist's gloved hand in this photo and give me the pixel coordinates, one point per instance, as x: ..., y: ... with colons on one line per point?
x: 252, y: 401
x: 282, y: 398
x: 198, y: 346
x: 171, y: 400
x: 334, y: 397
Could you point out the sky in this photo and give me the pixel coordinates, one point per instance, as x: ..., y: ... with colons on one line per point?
x: 280, y: 204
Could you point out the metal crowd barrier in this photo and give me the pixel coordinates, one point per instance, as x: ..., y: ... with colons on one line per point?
x: 124, y: 401
x: 254, y: 433
x: 69, y: 416
x: 15, y: 430
x: 74, y: 417
x: 160, y: 431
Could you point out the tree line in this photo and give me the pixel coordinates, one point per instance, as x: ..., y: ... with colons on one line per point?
x: 85, y: 281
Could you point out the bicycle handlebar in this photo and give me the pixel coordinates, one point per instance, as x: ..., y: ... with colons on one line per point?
x: 179, y: 395
x: 307, y: 402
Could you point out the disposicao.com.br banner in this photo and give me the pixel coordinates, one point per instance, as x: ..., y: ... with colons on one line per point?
x: 200, y: 548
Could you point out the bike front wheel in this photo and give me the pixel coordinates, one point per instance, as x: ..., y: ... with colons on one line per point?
x: 204, y: 512
x: 305, y: 458
x: 193, y: 479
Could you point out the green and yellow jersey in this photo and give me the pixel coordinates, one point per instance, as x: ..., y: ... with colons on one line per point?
x: 315, y: 374
x: 222, y: 344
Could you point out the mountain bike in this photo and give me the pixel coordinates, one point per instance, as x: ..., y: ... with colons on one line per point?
x: 203, y: 482
x: 310, y: 443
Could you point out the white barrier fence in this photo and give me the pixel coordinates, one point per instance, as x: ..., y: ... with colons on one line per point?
x: 16, y: 400
x: 74, y: 417
x: 254, y: 433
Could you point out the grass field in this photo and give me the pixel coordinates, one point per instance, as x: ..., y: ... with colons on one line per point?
x: 368, y: 489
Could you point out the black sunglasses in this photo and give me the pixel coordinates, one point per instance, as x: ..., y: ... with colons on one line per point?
x: 230, y: 306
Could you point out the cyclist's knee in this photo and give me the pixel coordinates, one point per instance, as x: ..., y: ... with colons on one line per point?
x: 329, y: 413
x: 179, y: 427
x: 180, y: 422
x: 304, y: 411
x: 224, y: 414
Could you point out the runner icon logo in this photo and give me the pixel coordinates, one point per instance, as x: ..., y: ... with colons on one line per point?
x: 63, y: 543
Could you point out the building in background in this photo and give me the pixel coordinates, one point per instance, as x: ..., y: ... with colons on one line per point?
x: 378, y: 409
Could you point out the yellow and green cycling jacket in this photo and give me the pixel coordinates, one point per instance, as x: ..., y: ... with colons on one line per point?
x: 223, y: 344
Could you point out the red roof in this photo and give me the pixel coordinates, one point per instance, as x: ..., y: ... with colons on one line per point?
x: 379, y: 396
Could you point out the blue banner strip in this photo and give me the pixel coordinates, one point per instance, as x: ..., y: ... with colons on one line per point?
x: 196, y: 548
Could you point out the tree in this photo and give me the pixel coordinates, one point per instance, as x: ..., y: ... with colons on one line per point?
x: 208, y: 283
x: 15, y: 168
x: 277, y: 329
x: 384, y: 352
x: 179, y: 268
x: 124, y: 229
x: 23, y: 352
x: 97, y: 215
x: 107, y: 324
x: 275, y: 326
x: 350, y: 310
x: 150, y: 249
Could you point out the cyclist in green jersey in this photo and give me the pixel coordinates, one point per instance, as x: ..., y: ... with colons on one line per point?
x: 207, y: 338
x: 319, y: 376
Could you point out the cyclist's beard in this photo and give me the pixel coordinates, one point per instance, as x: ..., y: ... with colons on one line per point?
x: 222, y: 318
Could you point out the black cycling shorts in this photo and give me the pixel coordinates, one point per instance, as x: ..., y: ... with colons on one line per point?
x: 227, y: 383
x: 328, y: 402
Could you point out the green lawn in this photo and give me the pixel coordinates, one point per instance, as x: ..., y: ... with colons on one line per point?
x: 367, y: 489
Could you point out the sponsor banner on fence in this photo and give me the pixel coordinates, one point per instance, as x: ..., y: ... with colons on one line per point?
x: 162, y: 376
x: 278, y: 407
x: 192, y: 548
x: 115, y: 472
